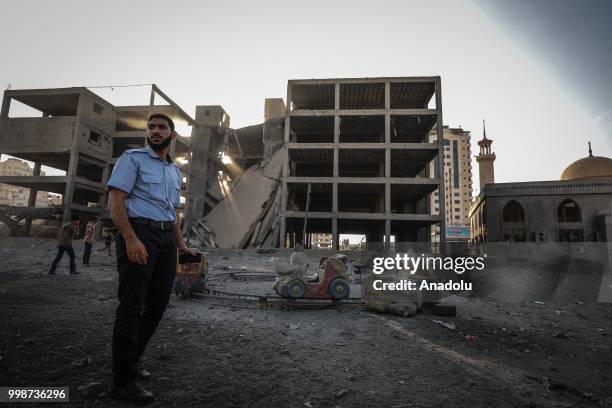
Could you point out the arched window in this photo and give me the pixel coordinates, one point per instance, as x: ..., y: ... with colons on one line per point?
x: 513, y: 212
x: 568, y: 212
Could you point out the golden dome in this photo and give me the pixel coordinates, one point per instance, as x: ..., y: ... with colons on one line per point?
x: 588, y: 167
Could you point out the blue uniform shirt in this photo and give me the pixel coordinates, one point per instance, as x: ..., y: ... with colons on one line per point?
x: 153, y: 185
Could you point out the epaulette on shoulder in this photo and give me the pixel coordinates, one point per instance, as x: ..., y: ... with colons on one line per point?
x: 141, y: 150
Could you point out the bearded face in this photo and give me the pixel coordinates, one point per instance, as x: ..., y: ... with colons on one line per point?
x: 159, y: 134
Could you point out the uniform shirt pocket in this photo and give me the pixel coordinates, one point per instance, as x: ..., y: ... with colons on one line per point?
x: 151, y: 178
x: 153, y: 187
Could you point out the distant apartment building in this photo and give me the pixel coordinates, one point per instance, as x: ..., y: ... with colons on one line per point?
x: 16, y: 195
x: 458, y: 184
x: 322, y: 241
x: 55, y: 199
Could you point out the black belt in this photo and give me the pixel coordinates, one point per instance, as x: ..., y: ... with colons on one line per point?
x: 162, y: 225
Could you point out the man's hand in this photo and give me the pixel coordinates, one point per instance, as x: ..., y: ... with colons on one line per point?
x: 136, y: 251
x: 183, y: 249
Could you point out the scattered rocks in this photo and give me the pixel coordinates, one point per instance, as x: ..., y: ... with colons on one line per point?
x: 561, y: 335
x: 90, y: 390
x: 266, y: 250
x: 84, y: 362
x: 341, y: 393
x: 448, y: 325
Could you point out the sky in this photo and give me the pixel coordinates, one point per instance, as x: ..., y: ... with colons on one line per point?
x: 537, y: 71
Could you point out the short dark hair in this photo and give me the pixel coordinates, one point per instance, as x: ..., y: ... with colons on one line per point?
x: 76, y: 218
x: 164, y: 117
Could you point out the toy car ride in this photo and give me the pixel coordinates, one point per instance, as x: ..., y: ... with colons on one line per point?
x: 329, y: 282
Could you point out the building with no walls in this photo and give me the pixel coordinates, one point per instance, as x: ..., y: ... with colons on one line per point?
x: 357, y: 159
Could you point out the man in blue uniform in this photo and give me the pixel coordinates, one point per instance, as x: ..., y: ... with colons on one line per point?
x: 143, y: 202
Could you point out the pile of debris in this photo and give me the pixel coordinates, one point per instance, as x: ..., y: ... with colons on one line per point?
x: 248, y: 214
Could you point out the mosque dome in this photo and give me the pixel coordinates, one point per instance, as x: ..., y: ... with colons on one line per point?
x: 588, y: 167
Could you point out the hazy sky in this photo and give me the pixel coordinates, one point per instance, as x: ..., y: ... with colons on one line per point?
x: 538, y: 71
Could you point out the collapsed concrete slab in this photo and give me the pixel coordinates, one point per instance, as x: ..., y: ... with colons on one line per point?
x: 234, y: 219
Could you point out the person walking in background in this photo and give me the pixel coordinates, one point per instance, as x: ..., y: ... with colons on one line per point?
x: 90, y: 232
x: 65, y: 235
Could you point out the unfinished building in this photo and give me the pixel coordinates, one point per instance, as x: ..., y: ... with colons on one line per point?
x: 79, y: 133
x: 357, y: 159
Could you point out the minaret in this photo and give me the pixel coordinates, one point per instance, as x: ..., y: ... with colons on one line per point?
x: 485, y: 159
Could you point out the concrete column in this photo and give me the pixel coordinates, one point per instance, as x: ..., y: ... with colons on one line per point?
x: 387, y: 212
x: 336, y: 168
x: 151, y: 104
x: 289, y: 100
x: 284, y: 191
x: 201, y: 144
x: 104, y: 197
x: 71, y: 174
x: 388, y: 232
x: 335, y: 243
x: 32, y: 200
x: 6, y: 106
x: 70, y: 179
x: 440, y: 130
x: 285, y: 172
x: 387, y: 164
x: 337, y: 95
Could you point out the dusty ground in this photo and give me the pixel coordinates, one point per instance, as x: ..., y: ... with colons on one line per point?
x: 56, y: 331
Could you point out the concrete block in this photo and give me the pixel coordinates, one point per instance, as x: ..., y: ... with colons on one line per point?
x: 272, y: 167
x: 403, y: 309
x: 444, y: 310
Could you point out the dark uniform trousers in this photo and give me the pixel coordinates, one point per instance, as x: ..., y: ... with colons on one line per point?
x: 144, y: 292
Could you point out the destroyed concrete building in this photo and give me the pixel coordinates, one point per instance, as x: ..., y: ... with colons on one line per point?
x: 342, y: 156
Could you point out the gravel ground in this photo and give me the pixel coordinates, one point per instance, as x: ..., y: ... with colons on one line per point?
x: 56, y: 331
